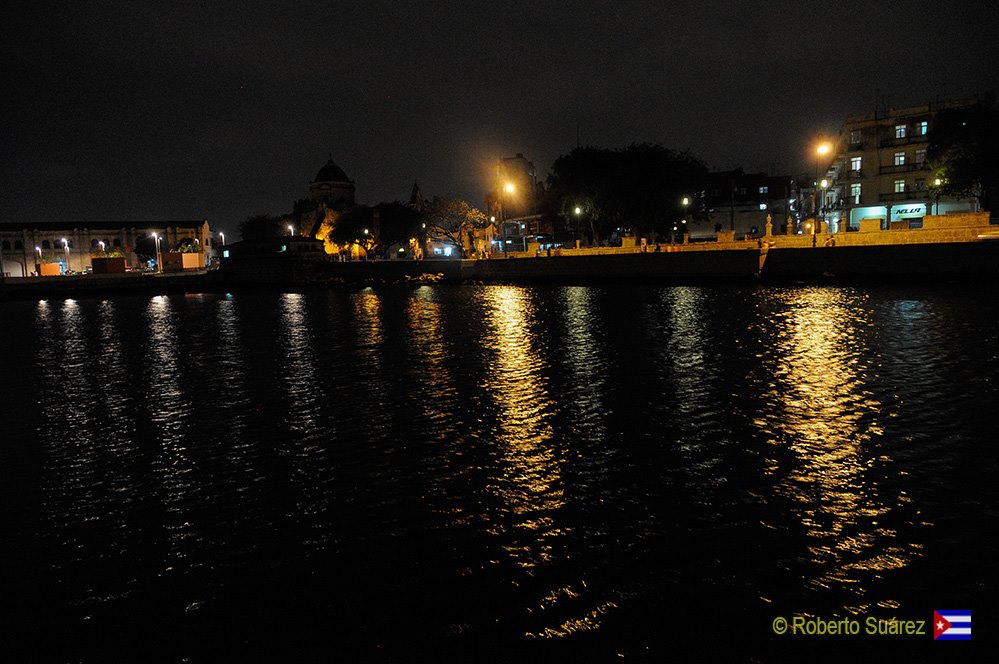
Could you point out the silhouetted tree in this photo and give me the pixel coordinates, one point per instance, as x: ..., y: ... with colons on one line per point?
x: 262, y: 225
x: 637, y: 188
x: 964, y: 151
x: 397, y: 223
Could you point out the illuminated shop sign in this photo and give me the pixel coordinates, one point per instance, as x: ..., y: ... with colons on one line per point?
x: 908, y: 211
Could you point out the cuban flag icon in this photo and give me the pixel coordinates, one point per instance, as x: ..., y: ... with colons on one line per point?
x: 952, y: 625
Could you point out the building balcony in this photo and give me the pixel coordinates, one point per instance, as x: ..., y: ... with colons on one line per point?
x: 904, y: 168
x: 893, y: 141
x: 911, y: 195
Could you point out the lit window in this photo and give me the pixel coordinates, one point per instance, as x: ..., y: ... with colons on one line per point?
x: 855, y: 163
x: 763, y: 206
x: 855, y: 136
x: 764, y: 190
x: 855, y: 193
x: 922, y: 127
x: 899, y: 158
x: 447, y: 251
x: 920, y: 156
x: 900, y: 131
x: 437, y: 251
x: 225, y: 253
x: 899, y: 186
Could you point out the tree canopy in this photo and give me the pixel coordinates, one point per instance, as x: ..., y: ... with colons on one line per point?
x: 448, y: 220
x: 638, y: 188
x: 964, y: 151
x: 262, y: 225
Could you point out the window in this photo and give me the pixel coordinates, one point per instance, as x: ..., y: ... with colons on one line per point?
x: 855, y: 163
x: 117, y: 242
x: 899, y: 158
x: 922, y: 127
x: 856, y: 136
x: 94, y: 243
x: 920, y: 184
x: 855, y: 193
x: 763, y: 206
x: 764, y: 190
x: 920, y: 157
x: 18, y: 244
x: 899, y: 186
x: 46, y: 245
x: 900, y: 131
x: 6, y: 245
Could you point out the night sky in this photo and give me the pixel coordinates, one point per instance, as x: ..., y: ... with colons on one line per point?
x: 222, y: 110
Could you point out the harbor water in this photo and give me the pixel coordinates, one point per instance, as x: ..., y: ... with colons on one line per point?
x: 491, y: 473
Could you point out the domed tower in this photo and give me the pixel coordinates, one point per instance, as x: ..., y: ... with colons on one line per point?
x: 332, y: 187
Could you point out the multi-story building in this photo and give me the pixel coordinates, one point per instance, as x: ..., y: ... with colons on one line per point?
x: 741, y: 202
x: 879, y: 170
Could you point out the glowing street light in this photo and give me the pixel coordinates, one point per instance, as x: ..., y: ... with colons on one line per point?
x: 291, y: 230
x: 65, y: 245
x: 100, y: 243
x: 510, y: 188
x: 222, y: 235
x: 821, y: 150
x: 159, y: 263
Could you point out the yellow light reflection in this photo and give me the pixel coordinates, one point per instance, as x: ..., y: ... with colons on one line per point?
x: 828, y: 419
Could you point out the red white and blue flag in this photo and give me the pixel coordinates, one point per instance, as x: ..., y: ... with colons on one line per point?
x: 952, y: 625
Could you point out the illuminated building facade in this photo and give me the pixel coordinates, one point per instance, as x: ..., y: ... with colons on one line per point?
x: 880, y: 170
x: 71, y: 244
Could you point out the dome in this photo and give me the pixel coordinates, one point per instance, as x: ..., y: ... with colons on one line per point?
x: 331, y: 173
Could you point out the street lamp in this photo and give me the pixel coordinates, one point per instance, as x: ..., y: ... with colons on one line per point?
x: 291, y: 230
x: 578, y: 211
x: 685, y: 202
x: 159, y: 263
x: 222, y: 235
x: 100, y: 243
x: 65, y: 245
x: 821, y: 150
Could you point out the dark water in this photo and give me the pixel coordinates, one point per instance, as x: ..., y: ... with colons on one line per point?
x: 488, y: 473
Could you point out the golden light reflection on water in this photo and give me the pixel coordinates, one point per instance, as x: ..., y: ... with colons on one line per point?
x: 530, y: 481
x: 828, y: 419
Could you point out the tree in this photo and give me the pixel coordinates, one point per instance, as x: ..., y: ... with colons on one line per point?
x: 398, y: 222
x: 963, y: 149
x: 638, y: 188
x: 261, y: 226
x: 451, y: 220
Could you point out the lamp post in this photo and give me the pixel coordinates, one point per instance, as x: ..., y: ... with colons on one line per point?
x: 825, y: 185
x: 65, y: 245
x: 685, y: 202
x: 578, y: 212
x: 159, y: 263
x: 821, y: 150
x: 222, y: 235
x: 291, y: 230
